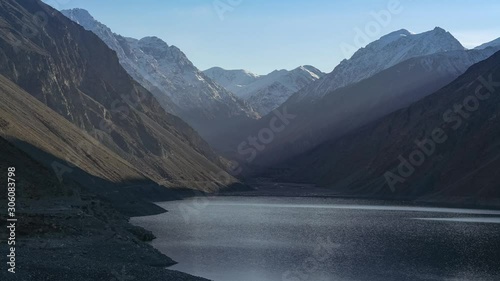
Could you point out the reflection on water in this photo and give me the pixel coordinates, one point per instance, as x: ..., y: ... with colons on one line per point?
x: 471, y: 220
x: 364, y: 207
x: 298, y: 239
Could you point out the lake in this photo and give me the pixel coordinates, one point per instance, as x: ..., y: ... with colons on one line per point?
x: 299, y: 239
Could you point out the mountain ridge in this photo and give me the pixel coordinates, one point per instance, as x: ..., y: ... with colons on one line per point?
x: 178, y: 85
x: 462, y: 167
x: 379, y: 55
x: 494, y: 43
x: 75, y: 74
x: 349, y: 107
x: 265, y: 92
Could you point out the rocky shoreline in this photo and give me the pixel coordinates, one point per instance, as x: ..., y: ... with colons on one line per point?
x: 83, y: 239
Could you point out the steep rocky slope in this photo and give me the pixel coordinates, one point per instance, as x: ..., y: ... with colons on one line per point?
x: 387, y: 74
x: 75, y: 74
x: 388, y: 51
x: 348, y: 108
x: 445, y: 146
x: 29, y: 123
x: 176, y: 83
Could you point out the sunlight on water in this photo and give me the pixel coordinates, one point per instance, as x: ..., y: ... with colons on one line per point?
x: 366, y: 207
x: 469, y: 220
x: 315, y: 239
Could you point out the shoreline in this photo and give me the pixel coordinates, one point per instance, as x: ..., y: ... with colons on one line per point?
x: 79, y: 240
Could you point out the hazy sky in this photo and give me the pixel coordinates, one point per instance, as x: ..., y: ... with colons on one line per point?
x: 264, y: 35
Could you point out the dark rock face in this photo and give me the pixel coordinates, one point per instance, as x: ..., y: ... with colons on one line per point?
x: 39, y: 183
x: 448, y: 144
x: 75, y: 74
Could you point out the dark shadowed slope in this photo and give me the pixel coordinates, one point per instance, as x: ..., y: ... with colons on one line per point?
x: 58, y: 224
x: 462, y: 160
x: 348, y: 108
x: 74, y: 73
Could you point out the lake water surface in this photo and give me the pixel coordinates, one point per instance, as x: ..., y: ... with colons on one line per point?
x: 299, y: 239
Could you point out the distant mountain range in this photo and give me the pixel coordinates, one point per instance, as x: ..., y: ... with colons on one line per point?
x: 175, y: 82
x: 265, y: 92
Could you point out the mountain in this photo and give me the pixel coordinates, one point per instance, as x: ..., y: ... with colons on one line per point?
x: 267, y: 92
x: 74, y: 73
x: 39, y: 183
x: 176, y: 83
x: 61, y: 211
x: 445, y: 146
x: 351, y: 107
x: 494, y: 43
x: 32, y: 126
x: 379, y: 55
x: 232, y: 80
x: 347, y: 108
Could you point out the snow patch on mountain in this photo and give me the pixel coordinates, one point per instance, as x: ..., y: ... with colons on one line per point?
x: 232, y: 80
x: 379, y: 55
x: 166, y: 71
x: 265, y: 92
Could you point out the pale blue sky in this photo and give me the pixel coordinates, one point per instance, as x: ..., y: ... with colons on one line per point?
x: 264, y: 35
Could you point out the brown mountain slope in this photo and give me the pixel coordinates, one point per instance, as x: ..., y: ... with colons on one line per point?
x: 74, y: 73
x: 457, y: 156
x: 23, y: 119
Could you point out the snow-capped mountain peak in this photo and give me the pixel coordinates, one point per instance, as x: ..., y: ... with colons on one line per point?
x: 311, y: 70
x: 153, y: 43
x: 172, y: 78
x: 265, y: 92
x: 391, y: 37
x: 379, y: 55
x: 83, y: 16
x: 232, y: 80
